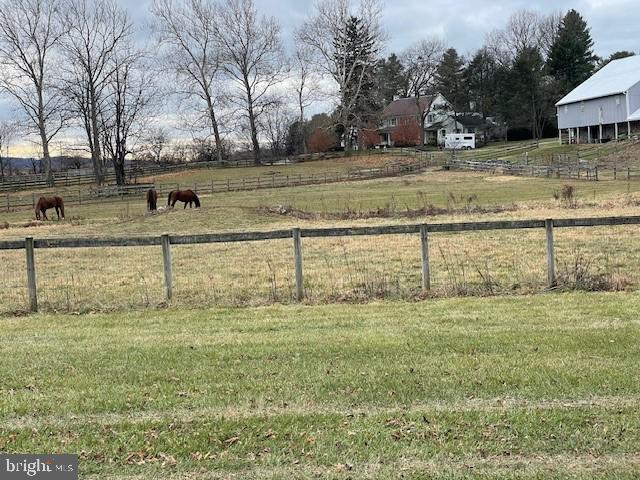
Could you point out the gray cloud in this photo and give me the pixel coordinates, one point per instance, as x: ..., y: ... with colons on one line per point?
x: 465, y: 23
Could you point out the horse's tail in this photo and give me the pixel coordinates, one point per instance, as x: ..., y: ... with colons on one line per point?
x: 169, y: 199
x: 197, y: 200
x: 61, y: 201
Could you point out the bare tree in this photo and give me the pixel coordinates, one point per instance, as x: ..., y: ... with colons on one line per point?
x: 187, y: 31
x: 129, y: 93
x: 525, y: 29
x: 325, y: 32
x: 275, y: 123
x: 97, y: 30
x: 156, y: 142
x: 30, y: 31
x: 306, y: 84
x: 421, y: 62
x: 7, y: 131
x: 253, y: 60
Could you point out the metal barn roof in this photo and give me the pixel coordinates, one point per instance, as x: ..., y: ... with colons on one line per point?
x: 635, y: 116
x: 616, y: 77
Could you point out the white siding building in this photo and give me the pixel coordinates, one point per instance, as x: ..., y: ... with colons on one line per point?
x: 605, y: 107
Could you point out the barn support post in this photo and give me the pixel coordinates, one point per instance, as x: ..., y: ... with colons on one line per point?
x: 600, y: 134
x: 551, y: 263
x: 617, y: 130
x: 31, y: 274
x: 628, y: 129
x: 297, y: 258
x: 166, y: 260
x: 588, y: 134
x: 424, y: 248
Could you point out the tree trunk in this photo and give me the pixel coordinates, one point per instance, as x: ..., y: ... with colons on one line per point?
x: 46, y: 157
x: 96, y: 153
x: 214, y: 126
x: 305, y: 149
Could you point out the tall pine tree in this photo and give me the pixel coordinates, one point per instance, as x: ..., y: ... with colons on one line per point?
x: 450, y: 81
x: 571, y: 60
x: 355, y: 52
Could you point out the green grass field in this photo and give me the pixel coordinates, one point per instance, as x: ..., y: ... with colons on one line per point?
x: 521, y: 387
x: 336, y: 270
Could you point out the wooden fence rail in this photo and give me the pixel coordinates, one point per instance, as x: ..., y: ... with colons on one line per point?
x: 297, y: 235
x: 228, y: 185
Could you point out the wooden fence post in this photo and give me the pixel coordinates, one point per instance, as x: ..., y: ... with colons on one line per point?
x: 297, y: 257
x: 424, y: 247
x: 31, y: 275
x: 166, y: 258
x: 8, y: 204
x: 551, y: 265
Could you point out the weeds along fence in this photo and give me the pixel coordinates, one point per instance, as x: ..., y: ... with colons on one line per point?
x: 319, y: 265
x: 99, y: 194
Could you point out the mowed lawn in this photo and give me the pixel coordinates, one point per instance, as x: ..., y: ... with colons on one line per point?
x: 507, y: 387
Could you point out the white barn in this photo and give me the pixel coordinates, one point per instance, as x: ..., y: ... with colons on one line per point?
x: 605, y: 107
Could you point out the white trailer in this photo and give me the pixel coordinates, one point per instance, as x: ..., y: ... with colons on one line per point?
x: 460, y: 141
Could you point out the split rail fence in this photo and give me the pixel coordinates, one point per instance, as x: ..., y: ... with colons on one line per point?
x: 425, y: 232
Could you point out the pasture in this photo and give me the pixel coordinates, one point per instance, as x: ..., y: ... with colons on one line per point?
x: 510, y: 388
x: 336, y: 270
x: 370, y: 378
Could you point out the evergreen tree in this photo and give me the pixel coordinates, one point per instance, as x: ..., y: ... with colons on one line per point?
x: 450, y: 81
x: 390, y: 78
x: 355, y: 51
x: 531, y: 100
x: 480, y: 78
x: 571, y: 60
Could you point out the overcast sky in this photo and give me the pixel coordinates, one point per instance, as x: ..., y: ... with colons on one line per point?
x: 462, y: 24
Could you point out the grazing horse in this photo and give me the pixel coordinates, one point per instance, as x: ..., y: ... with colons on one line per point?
x: 186, y: 196
x: 45, y: 203
x: 152, y: 200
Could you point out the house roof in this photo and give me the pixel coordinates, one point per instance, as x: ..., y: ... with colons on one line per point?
x: 614, y: 78
x: 407, y: 106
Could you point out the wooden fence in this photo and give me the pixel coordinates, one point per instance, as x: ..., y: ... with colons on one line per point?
x: 93, y: 195
x: 565, y: 171
x: 78, y: 177
x: 297, y: 236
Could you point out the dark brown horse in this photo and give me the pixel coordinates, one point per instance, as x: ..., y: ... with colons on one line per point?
x: 186, y: 196
x: 45, y: 203
x: 152, y: 200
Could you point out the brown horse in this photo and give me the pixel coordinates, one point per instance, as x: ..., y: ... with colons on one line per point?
x: 152, y: 200
x: 45, y: 203
x: 186, y: 196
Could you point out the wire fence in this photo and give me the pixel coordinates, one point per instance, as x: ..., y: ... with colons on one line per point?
x: 402, y: 262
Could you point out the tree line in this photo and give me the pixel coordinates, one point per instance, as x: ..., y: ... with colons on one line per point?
x: 80, y: 65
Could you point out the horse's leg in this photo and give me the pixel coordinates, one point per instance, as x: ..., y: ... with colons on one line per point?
x: 185, y: 205
x: 58, y: 212
x: 44, y: 214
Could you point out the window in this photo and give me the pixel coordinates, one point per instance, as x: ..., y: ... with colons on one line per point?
x: 566, y: 109
x: 468, y: 138
x: 430, y: 118
x: 617, y: 100
x: 394, y: 121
